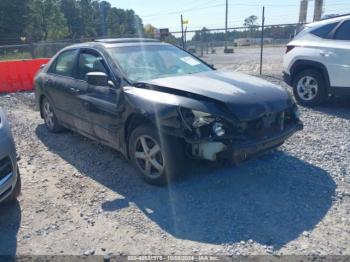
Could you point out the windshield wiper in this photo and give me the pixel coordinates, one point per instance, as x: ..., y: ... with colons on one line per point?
x: 142, y: 85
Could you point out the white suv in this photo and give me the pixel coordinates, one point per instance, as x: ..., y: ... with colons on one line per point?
x: 317, y: 61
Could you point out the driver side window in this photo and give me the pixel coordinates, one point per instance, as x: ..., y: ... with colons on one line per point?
x: 88, y: 63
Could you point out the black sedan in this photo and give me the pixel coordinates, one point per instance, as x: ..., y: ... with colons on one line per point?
x: 159, y: 105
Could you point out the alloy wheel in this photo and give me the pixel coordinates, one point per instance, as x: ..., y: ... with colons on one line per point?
x: 149, y: 156
x: 307, y: 88
x: 48, y: 115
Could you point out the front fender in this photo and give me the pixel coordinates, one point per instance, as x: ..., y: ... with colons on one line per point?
x: 162, y: 108
x: 159, y: 108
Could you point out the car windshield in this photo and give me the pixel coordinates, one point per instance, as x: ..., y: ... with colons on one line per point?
x: 148, y: 62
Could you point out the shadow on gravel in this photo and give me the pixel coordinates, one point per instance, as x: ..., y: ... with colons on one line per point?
x: 271, y: 200
x: 10, y: 221
x: 336, y: 106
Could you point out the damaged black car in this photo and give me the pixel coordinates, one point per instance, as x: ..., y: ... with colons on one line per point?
x: 160, y: 105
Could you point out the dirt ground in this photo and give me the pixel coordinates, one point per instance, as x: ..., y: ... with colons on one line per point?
x: 80, y: 197
x: 247, y: 60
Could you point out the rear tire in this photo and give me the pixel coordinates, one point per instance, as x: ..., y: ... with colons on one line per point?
x: 159, y: 160
x: 48, y: 113
x: 309, y: 88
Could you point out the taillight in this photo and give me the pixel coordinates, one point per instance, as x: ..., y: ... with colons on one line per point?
x: 289, y: 48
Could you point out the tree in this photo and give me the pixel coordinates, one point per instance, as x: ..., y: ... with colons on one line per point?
x: 86, y: 13
x: 124, y: 23
x: 101, y: 11
x: 46, y: 21
x: 13, y: 16
x: 150, y: 30
x: 251, y: 22
x: 40, y: 20
x: 70, y: 10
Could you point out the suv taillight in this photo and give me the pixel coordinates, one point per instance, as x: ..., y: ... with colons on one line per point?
x: 289, y: 48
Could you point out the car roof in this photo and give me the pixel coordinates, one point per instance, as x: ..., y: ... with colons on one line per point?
x: 125, y: 40
x: 329, y: 21
x: 116, y: 42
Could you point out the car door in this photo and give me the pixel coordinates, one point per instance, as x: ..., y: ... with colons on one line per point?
x: 59, y: 82
x: 100, y: 102
x: 341, y: 60
x: 338, y: 56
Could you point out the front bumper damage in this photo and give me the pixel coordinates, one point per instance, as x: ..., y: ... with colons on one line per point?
x: 239, y: 150
x: 243, y: 150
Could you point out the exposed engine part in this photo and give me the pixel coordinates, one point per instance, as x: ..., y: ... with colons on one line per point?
x: 208, y: 150
x: 218, y: 129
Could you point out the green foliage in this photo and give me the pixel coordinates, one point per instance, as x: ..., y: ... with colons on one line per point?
x: 42, y: 20
x: 13, y: 18
x: 251, y: 23
x: 124, y: 23
x: 45, y: 21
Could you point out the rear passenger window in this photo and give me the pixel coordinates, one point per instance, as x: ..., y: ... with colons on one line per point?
x: 325, y: 30
x: 64, y: 64
x: 343, y: 33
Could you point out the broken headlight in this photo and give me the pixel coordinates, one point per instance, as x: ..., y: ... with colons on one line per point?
x: 203, y: 124
x: 201, y: 119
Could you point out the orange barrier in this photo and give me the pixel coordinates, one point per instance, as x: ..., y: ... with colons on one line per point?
x: 18, y: 75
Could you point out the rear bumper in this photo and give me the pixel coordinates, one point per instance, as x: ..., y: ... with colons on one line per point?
x: 287, y: 78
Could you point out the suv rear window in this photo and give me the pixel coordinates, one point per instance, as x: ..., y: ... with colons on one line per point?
x: 343, y: 33
x: 325, y: 30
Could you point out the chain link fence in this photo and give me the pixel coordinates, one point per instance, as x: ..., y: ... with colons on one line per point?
x: 31, y: 51
x: 243, y: 48
x: 239, y: 50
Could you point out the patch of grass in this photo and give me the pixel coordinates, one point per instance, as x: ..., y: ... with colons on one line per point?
x: 15, y: 56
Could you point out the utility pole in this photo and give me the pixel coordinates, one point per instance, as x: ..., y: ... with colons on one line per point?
x: 182, y: 32
x: 262, y: 40
x: 304, y: 4
x: 226, y: 25
x: 318, y: 10
x: 185, y: 38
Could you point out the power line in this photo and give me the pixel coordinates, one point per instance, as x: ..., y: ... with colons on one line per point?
x: 185, y: 10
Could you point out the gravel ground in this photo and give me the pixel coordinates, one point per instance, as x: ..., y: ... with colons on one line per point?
x: 247, y: 60
x: 80, y: 197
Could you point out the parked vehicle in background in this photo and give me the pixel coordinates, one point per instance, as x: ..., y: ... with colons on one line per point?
x: 317, y: 61
x: 10, y: 180
x: 157, y: 103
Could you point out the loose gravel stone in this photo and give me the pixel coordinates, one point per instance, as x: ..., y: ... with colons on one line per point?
x: 78, y: 194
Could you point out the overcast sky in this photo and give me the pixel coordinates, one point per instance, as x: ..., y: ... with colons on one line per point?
x: 211, y: 13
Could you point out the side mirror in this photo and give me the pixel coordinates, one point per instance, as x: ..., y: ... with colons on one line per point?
x: 97, y: 79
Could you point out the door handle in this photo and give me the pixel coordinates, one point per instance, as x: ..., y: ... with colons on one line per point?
x: 325, y: 54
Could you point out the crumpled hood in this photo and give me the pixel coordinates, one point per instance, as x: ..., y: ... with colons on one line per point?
x: 246, y: 96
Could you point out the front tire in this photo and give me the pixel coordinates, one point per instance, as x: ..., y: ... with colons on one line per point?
x: 48, y: 113
x: 159, y: 160
x: 309, y: 88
